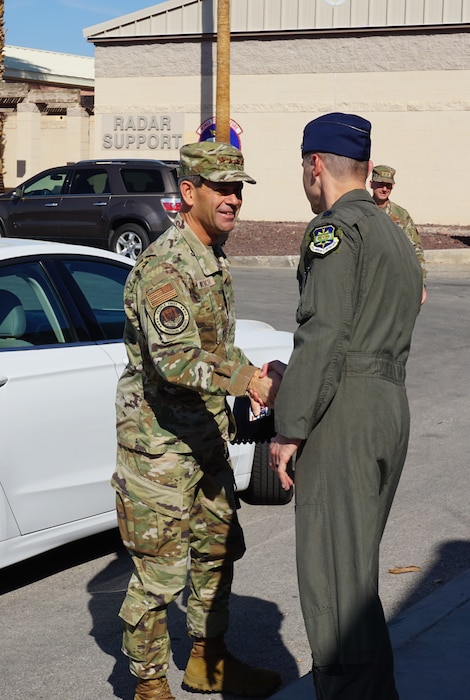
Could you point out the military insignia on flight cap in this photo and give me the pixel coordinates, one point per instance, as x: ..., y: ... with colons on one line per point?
x: 324, y: 239
x: 161, y: 294
x: 171, y: 317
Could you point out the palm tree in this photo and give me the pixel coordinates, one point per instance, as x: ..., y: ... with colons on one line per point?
x: 222, y: 99
x: 2, y: 49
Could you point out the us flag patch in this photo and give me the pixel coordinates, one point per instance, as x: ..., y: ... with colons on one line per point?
x: 161, y: 294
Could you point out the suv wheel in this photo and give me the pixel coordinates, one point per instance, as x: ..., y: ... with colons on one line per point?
x: 265, y: 488
x: 129, y: 240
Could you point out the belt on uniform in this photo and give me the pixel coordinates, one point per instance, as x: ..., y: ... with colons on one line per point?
x: 375, y: 366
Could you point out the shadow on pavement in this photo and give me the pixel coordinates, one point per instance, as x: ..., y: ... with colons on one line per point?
x: 254, y: 634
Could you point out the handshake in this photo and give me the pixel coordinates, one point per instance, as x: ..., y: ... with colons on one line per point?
x: 265, y: 384
x: 262, y: 390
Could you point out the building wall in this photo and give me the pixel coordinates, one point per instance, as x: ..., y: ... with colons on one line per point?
x: 414, y: 88
x: 36, y: 141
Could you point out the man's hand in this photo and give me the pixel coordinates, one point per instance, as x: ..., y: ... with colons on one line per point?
x: 274, y: 366
x: 282, y: 450
x: 264, y: 386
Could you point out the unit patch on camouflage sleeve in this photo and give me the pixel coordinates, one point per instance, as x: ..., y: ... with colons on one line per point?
x: 161, y: 294
x: 324, y: 239
x: 171, y: 317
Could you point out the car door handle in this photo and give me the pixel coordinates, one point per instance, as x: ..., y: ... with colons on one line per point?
x: 51, y: 204
x: 3, y: 381
x: 99, y: 204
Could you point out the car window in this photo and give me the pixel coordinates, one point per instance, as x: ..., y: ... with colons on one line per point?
x: 102, y: 285
x: 142, y: 180
x: 46, y: 185
x: 90, y: 181
x: 30, y: 313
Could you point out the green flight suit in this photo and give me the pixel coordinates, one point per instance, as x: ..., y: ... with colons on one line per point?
x: 343, y: 394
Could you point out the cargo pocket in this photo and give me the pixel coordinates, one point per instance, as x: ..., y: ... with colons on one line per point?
x: 138, y: 525
x: 138, y: 622
x: 157, y: 533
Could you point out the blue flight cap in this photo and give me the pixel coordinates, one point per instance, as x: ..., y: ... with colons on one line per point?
x: 343, y: 134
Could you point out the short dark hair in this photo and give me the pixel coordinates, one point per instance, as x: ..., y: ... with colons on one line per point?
x: 197, y: 180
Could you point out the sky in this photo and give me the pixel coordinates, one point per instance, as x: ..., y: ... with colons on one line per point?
x: 57, y: 25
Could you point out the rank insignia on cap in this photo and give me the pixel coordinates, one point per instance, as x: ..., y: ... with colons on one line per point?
x: 171, y: 317
x: 161, y: 294
x: 324, y: 239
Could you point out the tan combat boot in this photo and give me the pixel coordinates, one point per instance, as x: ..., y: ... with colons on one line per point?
x: 211, y: 668
x: 153, y: 689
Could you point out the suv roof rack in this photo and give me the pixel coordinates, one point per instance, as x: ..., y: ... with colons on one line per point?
x: 125, y: 161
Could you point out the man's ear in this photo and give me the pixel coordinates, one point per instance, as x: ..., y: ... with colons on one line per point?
x: 187, y: 192
x: 371, y: 167
x: 317, y: 164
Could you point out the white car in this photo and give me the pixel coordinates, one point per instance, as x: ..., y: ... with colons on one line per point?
x: 61, y: 353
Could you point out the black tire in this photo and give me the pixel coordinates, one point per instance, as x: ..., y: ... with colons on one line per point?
x: 264, y: 488
x: 129, y: 240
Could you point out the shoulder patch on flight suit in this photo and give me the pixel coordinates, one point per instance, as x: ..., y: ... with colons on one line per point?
x: 324, y: 239
x: 171, y: 317
x: 160, y: 294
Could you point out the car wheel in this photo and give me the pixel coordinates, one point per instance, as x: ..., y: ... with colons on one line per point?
x: 264, y: 488
x: 129, y: 240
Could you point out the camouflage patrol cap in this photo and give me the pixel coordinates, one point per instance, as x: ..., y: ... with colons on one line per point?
x: 383, y: 173
x: 217, y: 162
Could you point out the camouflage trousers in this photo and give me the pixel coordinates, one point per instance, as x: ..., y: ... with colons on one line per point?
x: 172, y: 509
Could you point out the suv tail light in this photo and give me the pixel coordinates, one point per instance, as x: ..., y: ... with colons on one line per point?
x: 171, y: 205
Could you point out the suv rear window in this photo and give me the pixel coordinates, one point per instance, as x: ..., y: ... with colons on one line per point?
x: 143, y: 180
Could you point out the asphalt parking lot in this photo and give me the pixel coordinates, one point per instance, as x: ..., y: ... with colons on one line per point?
x: 58, y: 612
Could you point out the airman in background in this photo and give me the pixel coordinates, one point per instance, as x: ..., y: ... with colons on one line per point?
x: 382, y: 182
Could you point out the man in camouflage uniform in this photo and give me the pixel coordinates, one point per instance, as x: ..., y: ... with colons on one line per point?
x: 174, y: 483
x: 382, y: 182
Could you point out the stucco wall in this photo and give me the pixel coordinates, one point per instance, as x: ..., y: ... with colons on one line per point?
x: 43, y: 141
x: 414, y: 88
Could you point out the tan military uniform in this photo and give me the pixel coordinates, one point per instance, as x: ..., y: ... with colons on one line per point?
x: 401, y: 217
x: 174, y: 483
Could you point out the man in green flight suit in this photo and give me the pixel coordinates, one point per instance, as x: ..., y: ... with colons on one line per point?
x: 382, y: 182
x: 342, y: 406
x: 174, y: 482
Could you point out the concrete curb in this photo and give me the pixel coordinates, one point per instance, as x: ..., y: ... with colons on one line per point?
x: 452, y: 256
x: 428, y: 612
x: 424, y: 625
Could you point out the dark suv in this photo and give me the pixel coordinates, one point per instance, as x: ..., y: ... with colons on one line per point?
x: 118, y: 204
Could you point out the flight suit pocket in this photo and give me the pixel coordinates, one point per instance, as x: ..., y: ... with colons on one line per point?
x: 306, y: 307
